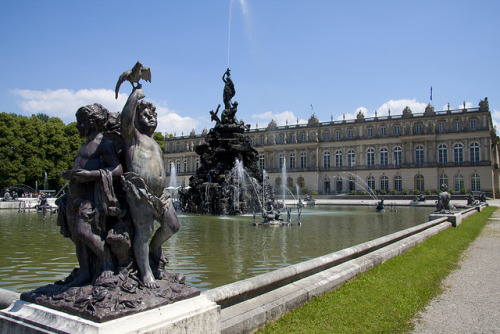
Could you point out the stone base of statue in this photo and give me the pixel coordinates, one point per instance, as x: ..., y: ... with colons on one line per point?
x: 112, y: 297
x: 453, y: 217
x: 194, y: 315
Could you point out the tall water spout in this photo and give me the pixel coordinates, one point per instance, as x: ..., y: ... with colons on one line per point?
x: 172, y: 183
x: 283, y: 177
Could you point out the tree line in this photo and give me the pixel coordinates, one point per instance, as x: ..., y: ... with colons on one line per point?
x: 33, y: 146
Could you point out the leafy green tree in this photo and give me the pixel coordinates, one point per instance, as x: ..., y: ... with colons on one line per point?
x: 10, y: 150
x: 160, y: 139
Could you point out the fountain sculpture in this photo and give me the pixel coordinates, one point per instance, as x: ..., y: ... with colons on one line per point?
x: 117, y: 190
x: 226, y: 182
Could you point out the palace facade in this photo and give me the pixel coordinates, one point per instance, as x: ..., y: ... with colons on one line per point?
x: 386, y: 154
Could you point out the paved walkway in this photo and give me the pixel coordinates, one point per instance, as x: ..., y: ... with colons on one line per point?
x: 471, y: 300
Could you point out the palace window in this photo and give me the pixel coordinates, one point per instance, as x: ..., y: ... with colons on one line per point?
x: 419, y: 182
x: 281, y: 160
x: 370, y: 181
x: 262, y: 161
x: 397, y: 156
x: 419, y: 155
x: 384, y: 183
x: 475, y: 182
x: 398, y: 183
x: 326, y: 135
x: 473, y: 124
x: 292, y: 161
x: 384, y: 156
x: 443, y: 179
x: 281, y: 138
x: 184, y: 167
x: 292, y: 138
x: 458, y: 153
x: 337, y: 134
x: 338, y: 159
x: 196, y: 165
x: 350, y: 134
x: 442, y: 154
x: 459, y: 182
x: 351, y: 158
x: 396, y: 130
x: 326, y: 159
x: 261, y: 140
x: 370, y: 132
x: 474, y: 152
x: 456, y: 125
x: 303, y: 137
x: 370, y: 157
x: 383, y: 131
x: 303, y: 160
x: 418, y: 128
x: 441, y: 127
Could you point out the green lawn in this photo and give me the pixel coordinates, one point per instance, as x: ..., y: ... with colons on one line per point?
x: 387, y: 297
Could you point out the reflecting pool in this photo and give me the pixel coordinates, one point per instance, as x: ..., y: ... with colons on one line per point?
x: 211, y: 251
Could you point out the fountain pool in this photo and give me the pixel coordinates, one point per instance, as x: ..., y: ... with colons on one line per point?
x: 210, y: 250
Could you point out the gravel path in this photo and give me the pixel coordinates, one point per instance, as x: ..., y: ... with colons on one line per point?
x: 471, y: 300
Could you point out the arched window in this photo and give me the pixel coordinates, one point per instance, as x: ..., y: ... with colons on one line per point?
x: 351, y: 183
x: 370, y: 157
x: 292, y: 161
x: 338, y: 159
x: 474, y: 152
x: 419, y: 182
x: 419, y: 155
x: 326, y: 159
x: 398, y: 183
x: 384, y: 183
x: 339, y: 185
x: 458, y: 153
x: 301, y: 182
x: 326, y: 185
x: 443, y: 179
x: 475, y: 182
x: 384, y: 156
x: 370, y: 181
x: 397, y: 156
x: 303, y: 160
x: 442, y: 154
x: 459, y: 182
x: 282, y: 161
x: 177, y: 166
x: 351, y: 158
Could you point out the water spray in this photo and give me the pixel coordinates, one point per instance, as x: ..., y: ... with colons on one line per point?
x: 229, y: 31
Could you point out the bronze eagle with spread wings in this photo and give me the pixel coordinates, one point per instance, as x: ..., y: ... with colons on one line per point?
x: 134, y: 75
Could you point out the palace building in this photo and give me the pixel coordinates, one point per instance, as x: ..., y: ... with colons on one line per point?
x: 387, y: 154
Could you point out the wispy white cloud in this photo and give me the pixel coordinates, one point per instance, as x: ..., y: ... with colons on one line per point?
x: 281, y: 118
x: 395, y: 106
x: 64, y: 103
x: 495, y: 117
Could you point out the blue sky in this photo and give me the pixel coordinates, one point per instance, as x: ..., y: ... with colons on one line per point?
x: 287, y: 58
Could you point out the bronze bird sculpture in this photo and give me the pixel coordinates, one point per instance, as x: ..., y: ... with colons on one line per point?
x: 134, y: 75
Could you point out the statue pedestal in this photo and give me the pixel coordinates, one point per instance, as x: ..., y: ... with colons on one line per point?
x: 193, y: 315
x: 454, y: 218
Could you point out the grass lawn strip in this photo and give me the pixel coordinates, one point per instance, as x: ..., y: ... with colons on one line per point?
x: 387, y: 297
